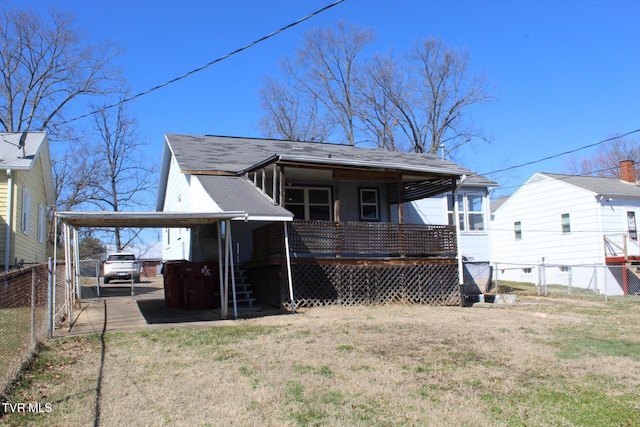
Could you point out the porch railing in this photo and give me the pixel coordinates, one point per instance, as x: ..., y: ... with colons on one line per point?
x: 355, y: 239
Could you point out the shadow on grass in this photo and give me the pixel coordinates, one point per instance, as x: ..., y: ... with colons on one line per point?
x: 155, y: 311
x: 97, y: 406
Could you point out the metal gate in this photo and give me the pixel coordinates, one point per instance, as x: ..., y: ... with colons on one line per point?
x: 89, y: 279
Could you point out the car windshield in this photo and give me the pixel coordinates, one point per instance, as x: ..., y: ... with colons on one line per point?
x: 121, y: 257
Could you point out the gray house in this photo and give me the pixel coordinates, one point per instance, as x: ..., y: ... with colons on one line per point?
x: 324, y: 223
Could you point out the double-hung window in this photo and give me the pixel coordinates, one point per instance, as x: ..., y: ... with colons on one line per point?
x: 631, y: 225
x: 470, y: 211
x: 369, y: 204
x: 309, y: 203
x: 565, y: 222
x: 517, y: 230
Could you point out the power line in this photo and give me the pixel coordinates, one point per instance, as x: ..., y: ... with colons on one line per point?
x: 208, y: 64
x: 561, y: 154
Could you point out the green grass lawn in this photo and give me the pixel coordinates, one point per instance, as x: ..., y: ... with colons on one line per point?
x: 540, y: 362
x: 15, y: 339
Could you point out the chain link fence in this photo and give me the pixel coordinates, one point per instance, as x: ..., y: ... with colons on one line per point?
x: 570, y: 279
x: 89, y: 279
x: 27, y: 298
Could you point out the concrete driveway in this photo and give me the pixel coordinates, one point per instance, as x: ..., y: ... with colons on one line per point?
x: 116, y: 310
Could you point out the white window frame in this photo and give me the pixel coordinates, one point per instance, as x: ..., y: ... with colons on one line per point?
x: 375, y: 205
x: 517, y: 230
x: 42, y: 214
x: 565, y: 226
x: 631, y: 225
x: 463, y: 211
x: 306, y: 202
x: 25, y: 225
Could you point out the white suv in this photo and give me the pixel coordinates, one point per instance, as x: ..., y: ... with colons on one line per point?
x: 121, y: 266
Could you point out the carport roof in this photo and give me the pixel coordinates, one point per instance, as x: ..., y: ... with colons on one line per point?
x: 146, y: 219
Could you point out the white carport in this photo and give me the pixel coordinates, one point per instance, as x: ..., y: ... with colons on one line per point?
x: 71, y: 221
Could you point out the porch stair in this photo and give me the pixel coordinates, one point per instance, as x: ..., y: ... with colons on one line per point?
x: 244, y: 294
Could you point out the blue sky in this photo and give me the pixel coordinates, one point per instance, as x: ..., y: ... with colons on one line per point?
x: 566, y: 73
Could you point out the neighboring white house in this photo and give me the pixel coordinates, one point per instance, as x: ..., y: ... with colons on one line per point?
x: 578, y: 231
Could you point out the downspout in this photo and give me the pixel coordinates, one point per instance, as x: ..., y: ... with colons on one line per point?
x: 456, y: 221
x: 601, y: 243
x: 7, y: 240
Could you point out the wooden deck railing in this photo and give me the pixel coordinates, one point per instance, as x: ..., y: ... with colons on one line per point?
x: 355, y: 239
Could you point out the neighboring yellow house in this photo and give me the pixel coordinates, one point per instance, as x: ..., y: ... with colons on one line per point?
x: 26, y: 195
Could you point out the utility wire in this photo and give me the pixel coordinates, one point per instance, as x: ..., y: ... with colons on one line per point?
x: 561, y: 154
x: 570, y: 176
x: 208, y: 64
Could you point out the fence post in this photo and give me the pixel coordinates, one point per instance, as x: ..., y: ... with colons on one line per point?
x: 50, y: 297
x: 570, y: 280
x: 98, y: 277
x: 33, y: 307
x: 544, y: 276
x: 604, y: 277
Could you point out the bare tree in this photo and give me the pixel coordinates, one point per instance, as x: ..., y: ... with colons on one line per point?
x: 377, y: 110
x: 324, y: 74
x: 44, y: 67
x: 432, y: 110
x: 290, y: 116
x: 606, y: 160
x: 416, y: 103
x: 124, y: 176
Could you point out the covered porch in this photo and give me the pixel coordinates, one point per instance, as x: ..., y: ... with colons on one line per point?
x: 353, y: 263
x: 351, y: 245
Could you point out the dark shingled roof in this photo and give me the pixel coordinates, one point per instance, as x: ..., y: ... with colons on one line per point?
x: 233, y: 193
x: 233, y: 155
x: 600, y: 185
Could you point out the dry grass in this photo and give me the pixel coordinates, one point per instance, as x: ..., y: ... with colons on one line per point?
x: 547, y: 362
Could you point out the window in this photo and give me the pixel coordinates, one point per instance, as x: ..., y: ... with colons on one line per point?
x: 631, y: 223
x: 566, y: 223
x: 451, y: 210
x: 470, y: 211
x: 310, y: 203
x: 369, y: 204
x: 474, y: 212
x: 26, y: 211
x: 517, y: 230
x: 42, y: 214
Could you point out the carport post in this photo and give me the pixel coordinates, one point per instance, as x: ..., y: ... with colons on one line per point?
x: 76, y: 262
x: 225, y: 304
x: 220, y: 275
x: 67, y: 272
x: 233, y: 274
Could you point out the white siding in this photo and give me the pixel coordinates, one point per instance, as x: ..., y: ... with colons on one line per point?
x: 176, y: 241
x: 539, y: 205
x: 200, y: 199
x: 614, y: 223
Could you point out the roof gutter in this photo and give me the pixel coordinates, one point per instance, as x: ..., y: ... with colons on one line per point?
x: 7, y: 240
